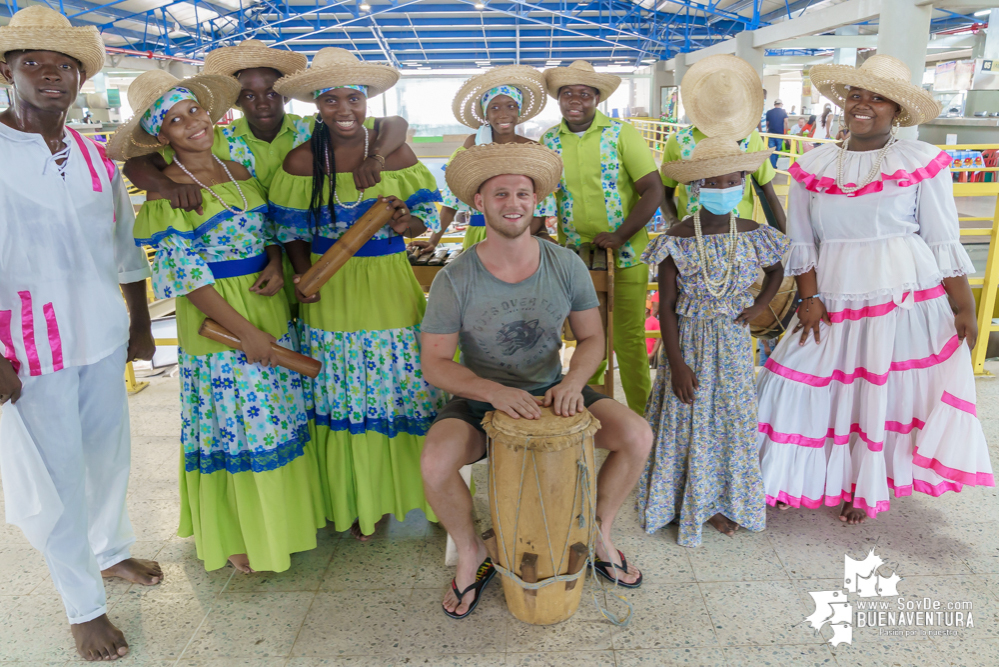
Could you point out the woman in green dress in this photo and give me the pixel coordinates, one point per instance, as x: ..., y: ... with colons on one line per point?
x: 372, y: 406
x: 249, y: 482
x: 493, y: 103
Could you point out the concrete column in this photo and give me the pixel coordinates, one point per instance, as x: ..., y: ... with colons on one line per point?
x: 744, y: 49
x: 846, y: 56
x: 903, y: 32
x: 680, y: 68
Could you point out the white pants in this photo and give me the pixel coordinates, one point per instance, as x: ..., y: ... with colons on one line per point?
x: 77, y: 420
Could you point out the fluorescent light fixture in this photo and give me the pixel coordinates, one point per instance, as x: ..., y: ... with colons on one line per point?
x: 365, y: 7
x: 649, y: 60
x: 480, y: 5
x: 984, y: 12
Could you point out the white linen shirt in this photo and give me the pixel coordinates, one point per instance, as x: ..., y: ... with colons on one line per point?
x: 65, y: 246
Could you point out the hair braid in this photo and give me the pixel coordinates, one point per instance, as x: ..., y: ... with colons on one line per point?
x: 321, y: 147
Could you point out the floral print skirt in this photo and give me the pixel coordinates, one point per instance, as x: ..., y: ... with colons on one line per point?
x: 249, y: 473
x: 704, y: 459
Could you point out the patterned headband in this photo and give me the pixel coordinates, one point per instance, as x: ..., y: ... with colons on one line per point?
x: 363, y: 89
x: 152, y: 120
x: 509, y: 91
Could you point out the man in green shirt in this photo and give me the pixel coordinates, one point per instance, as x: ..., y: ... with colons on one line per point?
x: 681, y: 144
x: 610, y: 190
x: 265, y: 134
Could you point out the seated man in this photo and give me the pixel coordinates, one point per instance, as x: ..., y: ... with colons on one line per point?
x: 514, y: 282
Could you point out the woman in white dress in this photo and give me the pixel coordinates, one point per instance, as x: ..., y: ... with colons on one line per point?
x: 873, y: 392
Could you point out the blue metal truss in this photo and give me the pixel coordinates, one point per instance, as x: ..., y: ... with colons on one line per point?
x: 444, y: 33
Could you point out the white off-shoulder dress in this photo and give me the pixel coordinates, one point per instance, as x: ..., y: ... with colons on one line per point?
x: 885, y: 402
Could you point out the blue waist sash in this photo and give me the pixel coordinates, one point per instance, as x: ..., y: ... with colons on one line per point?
x: 477, y: 220
x: 239, y: 267
x: 373, y: 248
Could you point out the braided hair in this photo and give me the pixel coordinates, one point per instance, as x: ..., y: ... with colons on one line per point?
x: 321, y: 147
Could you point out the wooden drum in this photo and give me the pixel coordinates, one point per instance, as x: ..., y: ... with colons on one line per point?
x: 542, y: 497
x: 774, y: 320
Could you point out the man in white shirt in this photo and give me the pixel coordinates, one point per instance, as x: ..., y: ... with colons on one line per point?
x: 66, y: 257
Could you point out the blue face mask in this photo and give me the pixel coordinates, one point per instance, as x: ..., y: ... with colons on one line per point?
x: 721, y: 201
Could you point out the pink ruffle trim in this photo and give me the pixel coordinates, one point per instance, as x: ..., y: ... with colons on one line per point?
x: 854, y: 314
x: 919, y: 485
x: 862, y: 373
x: 838, y: 439
x: 904, y: 178
x: 969, y: 478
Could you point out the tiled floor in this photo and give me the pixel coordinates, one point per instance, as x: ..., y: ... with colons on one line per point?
x: 733, y: 601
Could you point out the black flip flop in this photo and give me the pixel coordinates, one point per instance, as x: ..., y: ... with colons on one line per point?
x: 483, y: 576
x: 603, y: 569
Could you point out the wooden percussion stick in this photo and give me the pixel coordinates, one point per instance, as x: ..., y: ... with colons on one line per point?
x: 333, y: 259
x: 287, y: 358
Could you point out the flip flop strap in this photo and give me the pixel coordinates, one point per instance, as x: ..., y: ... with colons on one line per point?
x: 479, y: 575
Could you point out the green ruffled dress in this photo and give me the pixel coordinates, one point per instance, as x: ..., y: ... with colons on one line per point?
x: 476, y: 230
x: 249, y: 478
x: 372, y: 406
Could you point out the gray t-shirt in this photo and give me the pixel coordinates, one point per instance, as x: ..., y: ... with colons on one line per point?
x: 510, y: 333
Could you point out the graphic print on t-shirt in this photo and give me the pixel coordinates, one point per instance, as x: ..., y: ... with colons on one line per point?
x: 517, y: 336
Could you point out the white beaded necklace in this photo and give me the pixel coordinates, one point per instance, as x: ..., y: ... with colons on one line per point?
x: 336, y: 197
x: 871, y: 175
x: 717, y: 288
x: 205, y: 187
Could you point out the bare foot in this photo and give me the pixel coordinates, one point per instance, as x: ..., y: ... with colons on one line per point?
x: 99, y: 639
x: 723, y: 524
x: 782, y: 506
x: 605, y: 548
x: 242, y: 563
x: 851, y: 515
x: 464, y: 576
x: 355, y: 532
x: 136, y: 570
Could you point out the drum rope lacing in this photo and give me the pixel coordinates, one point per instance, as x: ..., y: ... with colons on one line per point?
x: 583, y: 480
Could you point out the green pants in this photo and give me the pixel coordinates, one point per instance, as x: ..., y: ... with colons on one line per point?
x: 630, y: 289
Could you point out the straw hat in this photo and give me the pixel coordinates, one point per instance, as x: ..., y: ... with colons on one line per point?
x: 470, y: 168
x: 881, y: 74
x: 252, y: 53
x: 714, y: 156
x: 216, y: 93
x: 580, y: 73
x: 336, y: 67
x: 722, y: 95
x: 38, y: 28
x: 467, y: 105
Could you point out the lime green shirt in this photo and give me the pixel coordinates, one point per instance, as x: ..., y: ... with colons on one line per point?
x: 763, y: 175
x: 237, y: 142
x: 597, y: 192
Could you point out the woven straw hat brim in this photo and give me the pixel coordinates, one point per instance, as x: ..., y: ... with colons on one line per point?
x: 722, y: 95
x: 216, y: 94
x: 471, y: 168
x: 557, y: 77
x: 231, y: 59
x: 833, y: 81
x: 467, y: 103
x: 83, y: 43
x: 686, y: 171
x: 301, y: 86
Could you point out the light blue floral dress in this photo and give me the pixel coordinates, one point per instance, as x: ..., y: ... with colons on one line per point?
x: 704, y: 458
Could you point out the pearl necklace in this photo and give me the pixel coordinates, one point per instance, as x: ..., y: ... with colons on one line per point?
x: 336, y: 197
x: 717, y: 288
x: 871, y: 175
x: 205, y: 187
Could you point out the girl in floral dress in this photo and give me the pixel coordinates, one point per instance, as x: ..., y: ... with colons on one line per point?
x: 874, y: 394
x: 372, y: 406
x: 702, y: 409
x: 249, y: 482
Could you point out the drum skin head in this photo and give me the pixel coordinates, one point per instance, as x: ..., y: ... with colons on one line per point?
x: 550, y: 433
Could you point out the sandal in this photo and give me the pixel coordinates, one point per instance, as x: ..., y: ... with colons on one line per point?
x: 603, y: 569
x: 484, y: 575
